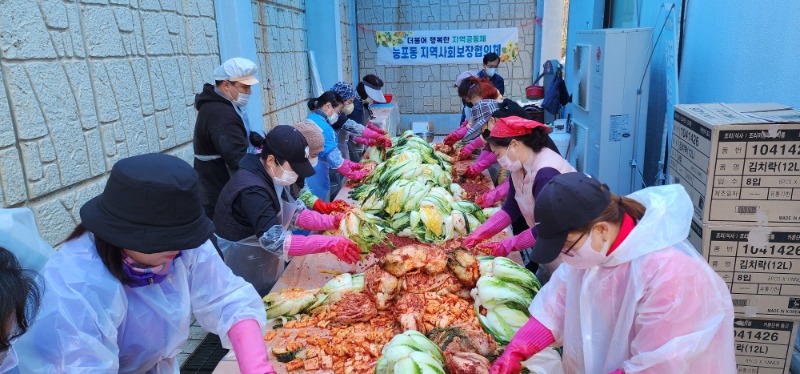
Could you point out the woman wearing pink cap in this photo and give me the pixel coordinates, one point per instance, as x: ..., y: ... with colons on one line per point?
x: 521, y: 148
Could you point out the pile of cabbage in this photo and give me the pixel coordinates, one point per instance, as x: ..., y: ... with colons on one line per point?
x: 410, y: 352
x: 502, y: 296
x: 412, y: 191
x: 293, y: 301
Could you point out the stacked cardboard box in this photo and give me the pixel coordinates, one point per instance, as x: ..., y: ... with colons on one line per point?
x: 740, y: 163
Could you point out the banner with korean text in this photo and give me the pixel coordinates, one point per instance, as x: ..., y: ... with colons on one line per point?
x: 430, y: 47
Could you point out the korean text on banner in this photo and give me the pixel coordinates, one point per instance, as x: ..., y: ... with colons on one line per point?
x: 430, y: 47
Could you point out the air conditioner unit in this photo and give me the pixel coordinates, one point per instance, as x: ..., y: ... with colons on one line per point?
x: 607, y: 69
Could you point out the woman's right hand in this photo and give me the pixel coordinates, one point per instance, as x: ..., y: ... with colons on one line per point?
x: 345, y: 250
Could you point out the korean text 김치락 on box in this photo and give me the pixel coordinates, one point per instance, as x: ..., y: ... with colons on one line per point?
x: 760, y: 265
x: 739, y: 162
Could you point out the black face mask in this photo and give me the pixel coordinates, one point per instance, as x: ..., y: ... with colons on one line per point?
x: 485, y: 134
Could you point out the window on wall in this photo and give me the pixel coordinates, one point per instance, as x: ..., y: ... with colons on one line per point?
x: 621, y: 14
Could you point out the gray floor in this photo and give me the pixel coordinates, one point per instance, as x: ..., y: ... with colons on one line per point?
x: 196, y: 335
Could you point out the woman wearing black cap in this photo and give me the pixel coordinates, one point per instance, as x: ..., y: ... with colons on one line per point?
x: 633, y: 296
x: 120, y: 294
x: 256, y: 212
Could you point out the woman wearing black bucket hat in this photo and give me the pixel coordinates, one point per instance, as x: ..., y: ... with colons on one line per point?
x: 633, y: 296
x: 256, y: 212
x: 120, y: 294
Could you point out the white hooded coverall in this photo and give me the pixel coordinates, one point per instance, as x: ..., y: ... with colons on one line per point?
x: 653, y: 306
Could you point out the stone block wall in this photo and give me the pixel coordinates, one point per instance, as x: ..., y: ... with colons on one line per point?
x: 283, y: 60
x: 86, y: 83
x: 428, y: 89
x: 347, y: 41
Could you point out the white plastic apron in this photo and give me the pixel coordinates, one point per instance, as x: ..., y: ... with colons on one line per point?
x: 250, y: 261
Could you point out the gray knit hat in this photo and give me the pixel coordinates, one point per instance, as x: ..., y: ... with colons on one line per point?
x: 313, y: 135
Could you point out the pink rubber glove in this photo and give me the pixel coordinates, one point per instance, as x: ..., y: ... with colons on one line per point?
x: 342, y: 247
x: 249, y: 347
x: 486, y: 159
x: 528, y: 341
x: 372, y: 134
x: 311, y: 220
x: 352, y: 170
x: 488, y: 229
x: 493, y: 196
x: 366, y: 142
x: 456, y: 135
x: 515, y: 243
x: 618, y: 371
x: 466, y: 152
x: 373, y: 127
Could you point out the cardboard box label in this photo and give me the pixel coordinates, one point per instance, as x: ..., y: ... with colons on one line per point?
x: 755, y: 168
x: 760, y: 265
x: 763, y: 346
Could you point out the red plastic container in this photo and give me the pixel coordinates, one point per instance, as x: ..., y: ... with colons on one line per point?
x: 534, y: 92
x: 388, y: 98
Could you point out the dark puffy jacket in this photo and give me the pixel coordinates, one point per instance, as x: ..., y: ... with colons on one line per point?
x: 219, y: 130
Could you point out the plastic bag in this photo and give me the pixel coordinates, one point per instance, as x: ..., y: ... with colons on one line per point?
x: 548, y: 361
x: 21, y: 237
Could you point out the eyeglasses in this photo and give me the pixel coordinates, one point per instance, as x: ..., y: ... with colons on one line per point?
x: 573, y: 244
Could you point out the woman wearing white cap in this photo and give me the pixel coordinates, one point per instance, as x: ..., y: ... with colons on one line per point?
x: 120, y: 294
x: 633, y: 296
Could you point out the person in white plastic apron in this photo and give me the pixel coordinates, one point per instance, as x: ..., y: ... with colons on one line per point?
x: 521, y: 148
x: 124, y: 288
x: 222, y: 133
x: 632, y: 295
x: 256, y: 213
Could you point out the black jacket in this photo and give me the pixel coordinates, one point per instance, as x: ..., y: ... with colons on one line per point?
x: 248, y: 204
x: 219, y: 130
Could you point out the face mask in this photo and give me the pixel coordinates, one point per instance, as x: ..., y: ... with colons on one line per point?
x: 586, y: 257
x: 8, y: 359
x: 490, y: 71
x: 242, y: 98
x: 333, y: 118
x: 286, y: 179
x: 348, y: 108
x: 140, y: 275
x: 507, y: 164
x: 241, y: 102
x: 314, y: 161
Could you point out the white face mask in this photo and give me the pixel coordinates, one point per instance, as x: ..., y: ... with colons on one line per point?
x: 333, y: 118
x: 507, y: 164
x: 8, y: 360
x: 241, y: 99
x: 314, y: 161
x: 585, y: 256
x: 241, y: 102
x: 490, y: 71
x: 348, y: 108
x: 286, y: 179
